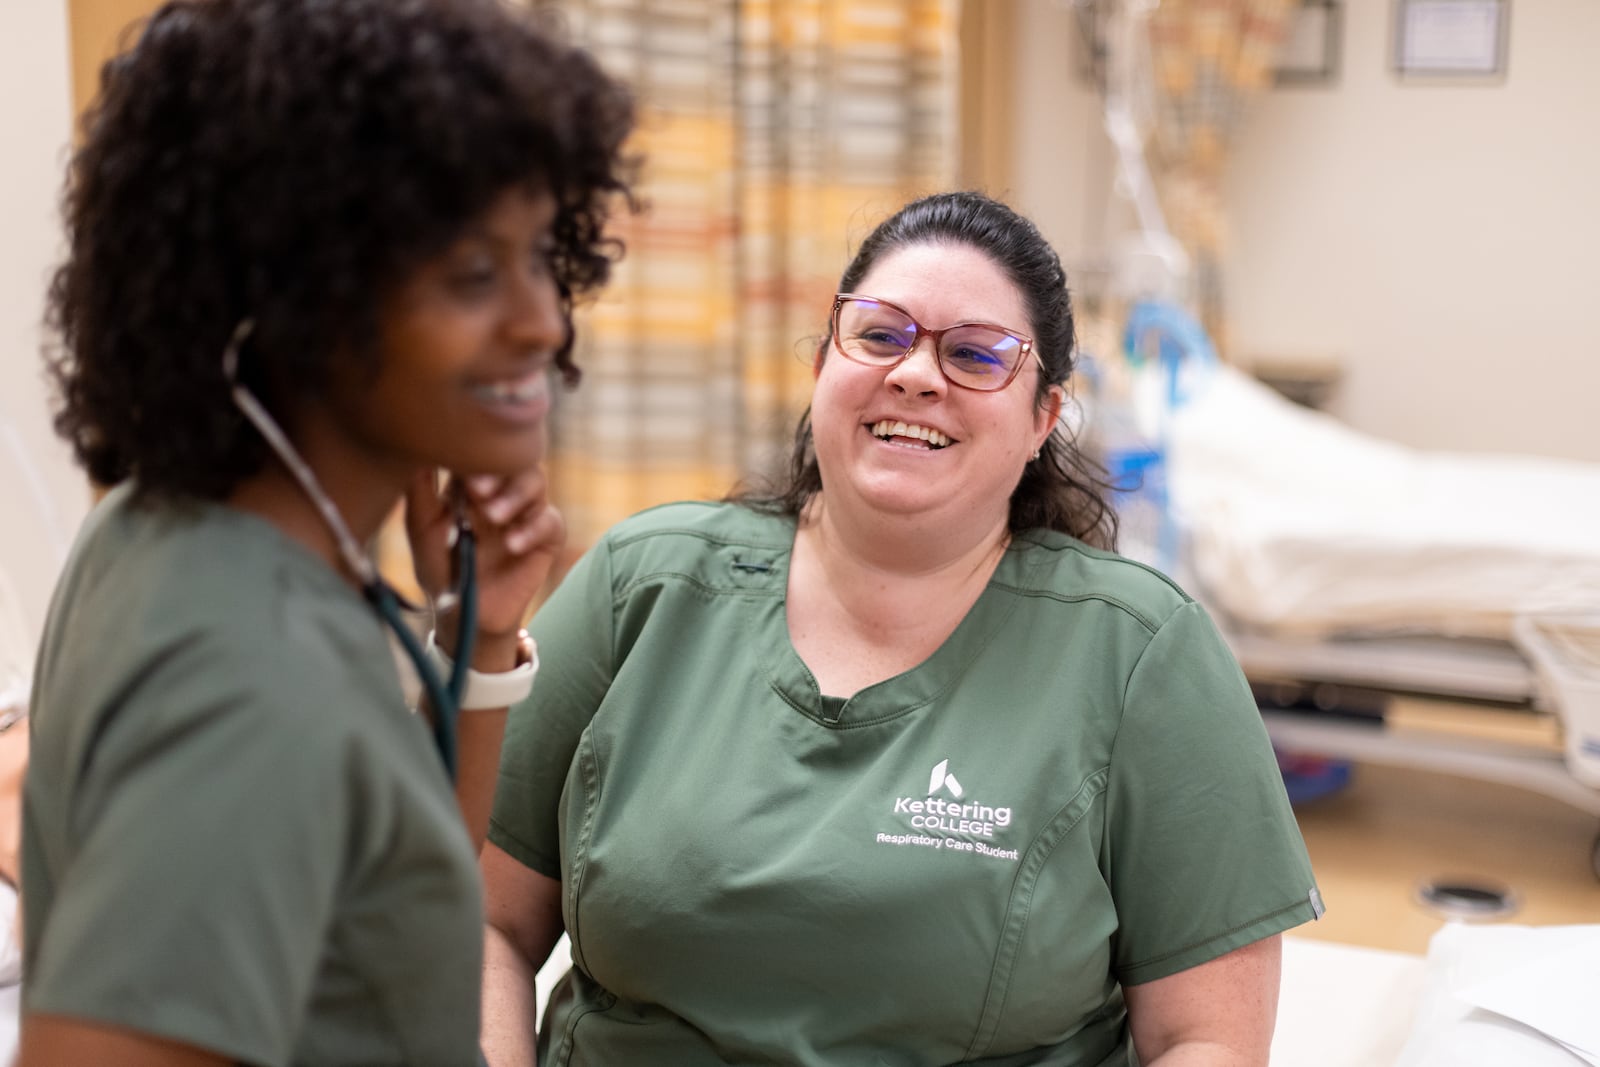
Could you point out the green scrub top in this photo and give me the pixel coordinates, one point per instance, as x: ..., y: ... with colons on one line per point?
x: 235, y: 835
x: 963, y: 863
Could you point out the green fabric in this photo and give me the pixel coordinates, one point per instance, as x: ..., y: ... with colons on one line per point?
x: 754, y: 873
x: 235, y: 834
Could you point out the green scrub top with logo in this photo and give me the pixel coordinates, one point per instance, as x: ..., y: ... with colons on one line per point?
x: 961, y: 864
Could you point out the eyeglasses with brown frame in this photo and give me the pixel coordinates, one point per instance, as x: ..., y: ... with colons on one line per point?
x: 973, y: 355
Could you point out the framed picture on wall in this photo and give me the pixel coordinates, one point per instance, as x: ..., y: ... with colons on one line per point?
x: 1309, y: 54
x: 1451, y: 39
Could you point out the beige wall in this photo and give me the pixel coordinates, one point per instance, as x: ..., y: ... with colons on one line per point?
x: 1442, y: 242
x: 50, y: 55
x: 1059, y: 170
x: 42, y: 496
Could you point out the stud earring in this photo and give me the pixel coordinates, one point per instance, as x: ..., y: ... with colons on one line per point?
x: 1034, y: 456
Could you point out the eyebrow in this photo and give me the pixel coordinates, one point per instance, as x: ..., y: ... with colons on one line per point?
x: 967, y: 320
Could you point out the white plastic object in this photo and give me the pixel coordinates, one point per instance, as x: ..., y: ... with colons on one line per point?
x: 16, y: 651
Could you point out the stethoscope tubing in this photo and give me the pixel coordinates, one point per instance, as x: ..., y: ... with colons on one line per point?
x: 443, y: 697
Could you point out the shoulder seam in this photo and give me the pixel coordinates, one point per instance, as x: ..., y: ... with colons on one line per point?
x: 1074, y: 545
x: 635, y: 583
x: 730, y: 524
x: 702, y: 535
x: 1076, y: 598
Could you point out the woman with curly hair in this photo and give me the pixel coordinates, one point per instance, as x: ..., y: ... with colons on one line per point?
x: 319, y: 250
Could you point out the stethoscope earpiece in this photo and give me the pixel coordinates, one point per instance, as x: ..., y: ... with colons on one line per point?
x: 230, y: 354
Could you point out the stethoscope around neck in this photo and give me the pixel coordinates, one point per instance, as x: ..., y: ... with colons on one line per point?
x: 444, y: 696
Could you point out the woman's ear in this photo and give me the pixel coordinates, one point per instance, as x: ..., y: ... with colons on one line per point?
x: 1048, y: 413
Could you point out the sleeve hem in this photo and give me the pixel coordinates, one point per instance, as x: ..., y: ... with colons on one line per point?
x: 1275, y: 922
x: 523, y: 853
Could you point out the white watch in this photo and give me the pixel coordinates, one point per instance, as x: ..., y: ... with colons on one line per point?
x: 484, y: 691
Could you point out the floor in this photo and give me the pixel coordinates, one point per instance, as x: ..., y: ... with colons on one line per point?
x: 1375, y: 841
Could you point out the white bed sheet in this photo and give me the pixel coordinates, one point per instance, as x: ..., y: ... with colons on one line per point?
x: 1543, y: 983
x: 1298, y: 524
x: 1344, y: 1005
x: 1340, y: 1005
x: 1352, y: 1006
x: 10, y: 974
x: 555, y: 967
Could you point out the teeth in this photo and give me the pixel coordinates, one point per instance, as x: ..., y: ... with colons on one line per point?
x: 517, y: 392
x: 887, y: 428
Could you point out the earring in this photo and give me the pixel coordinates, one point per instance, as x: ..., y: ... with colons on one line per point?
x: 1034, y: 456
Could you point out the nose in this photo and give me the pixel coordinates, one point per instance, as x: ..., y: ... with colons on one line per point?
x: 918, y: 372
x: 534, y: 316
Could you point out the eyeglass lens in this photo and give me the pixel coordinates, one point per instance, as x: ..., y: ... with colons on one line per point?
x: 979, y: 357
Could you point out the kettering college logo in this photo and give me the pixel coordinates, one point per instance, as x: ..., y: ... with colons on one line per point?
x: 946, y: 819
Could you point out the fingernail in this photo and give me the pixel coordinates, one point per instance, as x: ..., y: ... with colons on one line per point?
x: 482, y: 484
x: 499, y: 510
x: 518, y: 540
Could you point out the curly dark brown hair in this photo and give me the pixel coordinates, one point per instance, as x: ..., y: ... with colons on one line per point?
x: 292, y: 161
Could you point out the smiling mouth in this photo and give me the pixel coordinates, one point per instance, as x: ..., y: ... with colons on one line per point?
x: 909, y: 435
x: 512, y: 391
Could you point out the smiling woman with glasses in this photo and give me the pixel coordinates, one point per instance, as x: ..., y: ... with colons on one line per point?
x: 897, y: 761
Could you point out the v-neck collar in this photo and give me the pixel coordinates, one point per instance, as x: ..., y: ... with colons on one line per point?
x: 903, y: 693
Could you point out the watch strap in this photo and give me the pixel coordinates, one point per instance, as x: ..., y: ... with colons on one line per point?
x: 493, y: 690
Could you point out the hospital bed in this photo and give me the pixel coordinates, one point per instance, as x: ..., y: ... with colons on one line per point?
x: 1364, y: 585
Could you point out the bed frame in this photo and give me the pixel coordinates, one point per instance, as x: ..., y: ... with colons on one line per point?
x: 1516, y: 716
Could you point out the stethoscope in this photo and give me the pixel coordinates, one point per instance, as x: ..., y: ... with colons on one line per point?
x: 444, y: 696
